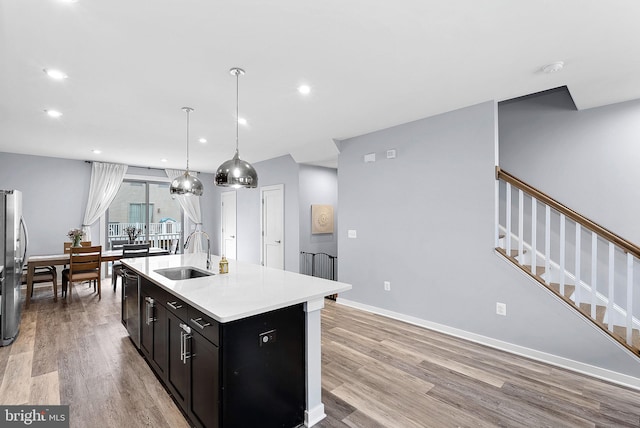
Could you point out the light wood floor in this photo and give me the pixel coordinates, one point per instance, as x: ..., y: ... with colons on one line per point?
x: 376, y: 373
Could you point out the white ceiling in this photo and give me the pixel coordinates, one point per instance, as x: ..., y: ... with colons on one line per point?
x: 132, y: 65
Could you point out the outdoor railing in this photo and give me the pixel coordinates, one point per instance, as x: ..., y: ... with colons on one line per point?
x: 161, y: 235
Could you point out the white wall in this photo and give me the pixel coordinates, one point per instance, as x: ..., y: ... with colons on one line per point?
x: 425, y: 222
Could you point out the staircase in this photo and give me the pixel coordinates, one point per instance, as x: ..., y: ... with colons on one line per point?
x: 590, y: 268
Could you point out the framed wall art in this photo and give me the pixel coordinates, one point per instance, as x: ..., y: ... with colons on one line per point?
x: 321, y: 219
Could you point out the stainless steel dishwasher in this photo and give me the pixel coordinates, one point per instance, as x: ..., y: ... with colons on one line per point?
x: 131, y: 305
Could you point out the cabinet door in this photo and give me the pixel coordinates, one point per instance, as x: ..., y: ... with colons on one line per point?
x: 160, y: 344
x: 177, y: 366
x: 205, y: 404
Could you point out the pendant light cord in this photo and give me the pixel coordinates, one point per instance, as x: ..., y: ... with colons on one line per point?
x: 237, y: 106
x: 187, y: 110
x: 187, y: 140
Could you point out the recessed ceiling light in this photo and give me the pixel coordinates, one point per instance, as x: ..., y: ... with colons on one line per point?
x: 304, y: 89
x: 55, y: 74
x: 163, y: 160
x: 554, y: 67
x: 242, y: 121
x: 53, y: 113
x: 202, y: 140
x: 96, y: 151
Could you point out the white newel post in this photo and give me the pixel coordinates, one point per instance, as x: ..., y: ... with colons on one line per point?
x: 313, y: 356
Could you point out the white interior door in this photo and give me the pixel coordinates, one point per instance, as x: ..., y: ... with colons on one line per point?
x: 273, y: 226
x: 228, y: 220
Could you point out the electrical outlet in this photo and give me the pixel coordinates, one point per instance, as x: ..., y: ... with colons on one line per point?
x: 501, y: 309
x: 387, y: 286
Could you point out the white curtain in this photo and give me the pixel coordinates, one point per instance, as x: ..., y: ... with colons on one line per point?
x: 191, y: 207
x: 106, y: 179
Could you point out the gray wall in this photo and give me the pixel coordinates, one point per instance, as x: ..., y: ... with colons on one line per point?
x: 318, y: 186
x: 587, y: 160
x: 425, y: 222
x: 55, y: 193
x: 281, y: 170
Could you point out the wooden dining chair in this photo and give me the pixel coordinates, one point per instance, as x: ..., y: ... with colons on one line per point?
x: 42, y: 274
x: 85, y: 265
x: 128, y: 251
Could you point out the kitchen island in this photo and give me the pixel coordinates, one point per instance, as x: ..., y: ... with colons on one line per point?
x: 254, y: 326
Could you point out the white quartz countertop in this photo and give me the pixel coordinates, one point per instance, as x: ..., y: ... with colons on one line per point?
x: 246, y: 290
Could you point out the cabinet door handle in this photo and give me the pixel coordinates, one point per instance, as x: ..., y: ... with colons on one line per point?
x: 181, y: 346
x: 199, y: 324
x: 187, y: 354
x: 149, y: 304
x: 174, y: 305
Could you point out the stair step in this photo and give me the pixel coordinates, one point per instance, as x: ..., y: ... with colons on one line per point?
x: 514, y: 253
x: 568, y: 289
x: 600, y: 311
x: 622, y: 332
x: 539, y: 269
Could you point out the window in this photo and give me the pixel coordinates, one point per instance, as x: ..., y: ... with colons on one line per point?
x: 148, y: 207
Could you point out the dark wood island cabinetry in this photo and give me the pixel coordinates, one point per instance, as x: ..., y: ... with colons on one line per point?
x: 248, y: 372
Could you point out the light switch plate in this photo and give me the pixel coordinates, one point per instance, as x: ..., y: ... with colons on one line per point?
x: 391, y: 154
x: 370, y: 157
x: 351, y: 233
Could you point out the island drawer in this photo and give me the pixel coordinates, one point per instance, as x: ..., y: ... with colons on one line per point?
x: 155, y: 292
x: 178, y: 307
x: 205, y: 325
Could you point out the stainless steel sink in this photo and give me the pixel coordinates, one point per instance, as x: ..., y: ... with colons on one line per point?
x: 183, y: 272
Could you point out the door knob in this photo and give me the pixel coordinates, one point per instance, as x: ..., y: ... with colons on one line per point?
x: 232, y: 236
x: 277, y: 242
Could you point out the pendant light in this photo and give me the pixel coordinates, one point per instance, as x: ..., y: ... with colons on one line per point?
x: 186, y: 184
x: 235, y: 172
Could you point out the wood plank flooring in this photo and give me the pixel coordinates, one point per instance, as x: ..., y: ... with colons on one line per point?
x: 377, y: 372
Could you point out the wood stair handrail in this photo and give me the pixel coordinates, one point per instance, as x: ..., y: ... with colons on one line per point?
x: 570, y: 302
x: 627, y: 246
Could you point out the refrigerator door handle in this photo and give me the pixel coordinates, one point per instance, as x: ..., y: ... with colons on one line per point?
x: 26, y: 242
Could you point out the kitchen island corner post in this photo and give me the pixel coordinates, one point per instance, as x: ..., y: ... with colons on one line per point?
x: 314, y: 412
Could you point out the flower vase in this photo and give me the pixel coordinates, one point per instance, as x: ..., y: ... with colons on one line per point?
x: 76, y: 241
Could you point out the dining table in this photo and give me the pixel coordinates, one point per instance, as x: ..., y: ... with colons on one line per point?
x: 63, y: 259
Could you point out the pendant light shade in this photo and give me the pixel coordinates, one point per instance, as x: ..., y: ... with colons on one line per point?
x: 186, y: 184
x: 235, y: 172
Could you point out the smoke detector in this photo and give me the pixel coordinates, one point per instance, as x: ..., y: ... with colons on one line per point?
x: 554, y: 67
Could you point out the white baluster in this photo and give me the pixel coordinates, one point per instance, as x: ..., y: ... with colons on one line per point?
x: 629, y: 299
x: 547, y: 244
x: 520, y: 225
x: 508, y: 237
x: 562, y: 251
x: 611, y: 285
x: 578, y: 291
x: 594, y: 274
x: 534, y: 234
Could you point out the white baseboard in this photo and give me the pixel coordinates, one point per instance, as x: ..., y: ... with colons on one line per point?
x: 315, y: 415
x: 575, y: 366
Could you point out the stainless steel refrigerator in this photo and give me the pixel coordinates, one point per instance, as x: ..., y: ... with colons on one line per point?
x: 13, y: 256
